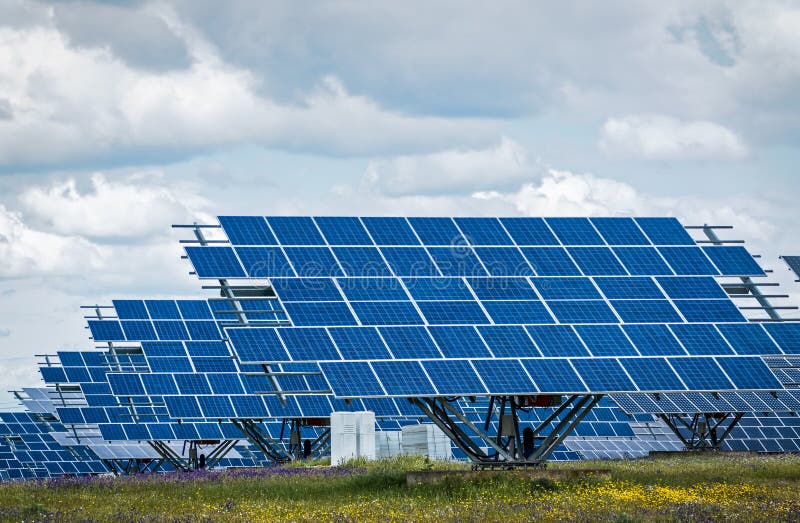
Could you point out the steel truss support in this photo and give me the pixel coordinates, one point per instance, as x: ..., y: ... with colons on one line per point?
x: 273, y: 449
x: 125, y: 467
x: 185, y: 464
x: 506, y: 445
x: 702, y: 431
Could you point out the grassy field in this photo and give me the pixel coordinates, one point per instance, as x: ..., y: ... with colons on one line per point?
x: 688, y: 487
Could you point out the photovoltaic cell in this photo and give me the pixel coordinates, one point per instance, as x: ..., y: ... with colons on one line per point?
x: 642, y: 261
x: 306, y: 289
x: 452, y: 312
x: 503, y: 261
x: 437, y: 231
x: 359, y: 343
x: 603, y: 374
x: 654, y: 340
x: 390, y: 231
x: 162, y: 309
x: 529, y: 231
x: 550, y: 261
x: 620, y: 231
x: 257, y: 345
x: 597, y: 261
x: 566, y: 288
x: 748, y: 338
x: 504, y: 377
x: 215, y: 262
x: 361, y: 261
x: 557, y: 340
x: 688, y: 261
x: 698, y: 311
x: 456, y: 261
x: 409, y: 342
x: 438, y: 289
x: 308, y: 344
x: 583, y: 311
x: 794, y: 264
x: 320, y: 313
x: 575, y: 231
x: 130, y: 309
x: 652, y: 374
x: 454, y: 377
x: 403, y: 378
x: 459, y: 342
x: 733, y: 260
x: 517, y: 311
x: 606, y: 340
x: 349, y: 379
x: 787, y: 335
x: 247, y: 230
x: 264, y: 262
x: 372, y: 289
x: 508, y: 341
x: 553, y: 375
x: 385, y: 313
x: 502, y: 289
x: 343, y: 230
x: 701, y: 374
x: 701, y: 339
x: 646, y: 311
x: 692, y: 287
x: 615, y: 288
x: 665, y: 231
x: 409, y: 261
x: 483, y: 231
x: 749, y: 373
x: 295, y: 230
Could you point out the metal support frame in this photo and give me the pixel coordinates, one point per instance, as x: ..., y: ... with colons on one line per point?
x: 705, y: 431
x: 506, y: 449
x: 191, y: 463
x: 125, y: 467
x: 273, y: 449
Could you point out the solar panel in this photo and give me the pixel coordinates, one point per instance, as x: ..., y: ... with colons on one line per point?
x: 794, y: 264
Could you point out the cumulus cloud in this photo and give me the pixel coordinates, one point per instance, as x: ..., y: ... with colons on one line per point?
x: 659, y: 137
x: 111, y: 108
x: 455, y: 170
x: 132, y: 207
x: 27, y: 252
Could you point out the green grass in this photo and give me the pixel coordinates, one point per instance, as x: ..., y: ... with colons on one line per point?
x: 675, y: 488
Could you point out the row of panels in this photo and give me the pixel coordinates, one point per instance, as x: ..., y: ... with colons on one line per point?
x: 311, y: 344
x: 278, y: 262
x: 351, y: 230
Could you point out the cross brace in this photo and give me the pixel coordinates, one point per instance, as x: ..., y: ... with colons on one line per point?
x: 702, y: 431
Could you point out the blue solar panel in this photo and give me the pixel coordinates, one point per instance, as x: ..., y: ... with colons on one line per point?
x: 125, y: 384
x: 361, y: 261
x: 606, y: 340
x: 597, y: 261
x: 215, y: 262
x: 748, y: 338
x: 343, y: 230
x: 158, y: 384
x: 452, y: 312
x: 372, y: 289
x: 182, y: 407
x: 170, y: 364
x: 554, y: 375
x: 620, y: 231
x: 162, y: 309
x: 456, y: 261
x: 502, y: 289
x: 696, y: 287
x: 504, y: 377
x: 557, y: 340
x: 575, y: 231
x: 264, y: 262
x: 53, y: 374
x: 529, y: 231
x: 390, y: 231
x: 403, y: 378
x: 106, y: 330
x: 306, y: 289
x: 194, y: 309
x: 385, y: 313
x: 518, y: 311
x: 247, y: 230
x: 787, y: 335
x: 701, y: 374
x: 642, y: 261
x: 628, y: 288
x: 700, y: 311
x: 503, y: 261
x: 665, y: 231
x: 652, y: 374
x: 483, y: 231
x: 749, y: 373
x: 257, y: 345
x: 320, y: 313
x: 130, y: 309
x: 437, y: 231
x: 216, y: 406
x: 192, y: 384
x: 313, y: 261
x: 308, y: 344
x: 646, y: 311
x: 170, y: 330
x: 224, y: 383
x: 582, y: 311
x: 550, y: 261
x: 689, y: 261
x: 359, y: 343
x: 654, y: 340
x: 459, y: 342
x: 603, y: 374
x: 295, y: 230
x: 438, y: 289
x: 409, y: 342
x: 138, y: 330
x: 351, y: 379
x: 733, y: 260
x: 409, y: 261
x: 701, y: 339
x: 566, y: 288
x: 454, y: 377
x: 508, y: 341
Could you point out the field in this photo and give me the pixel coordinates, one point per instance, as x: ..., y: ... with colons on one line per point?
x: 689, y: 487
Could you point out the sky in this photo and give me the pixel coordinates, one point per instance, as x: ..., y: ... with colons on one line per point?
x: 118, y: 119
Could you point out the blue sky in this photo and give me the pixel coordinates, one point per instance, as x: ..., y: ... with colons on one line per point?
x: 120, y: 118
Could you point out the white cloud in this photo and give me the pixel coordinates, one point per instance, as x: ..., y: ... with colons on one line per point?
x: 659, y: 137
x: 120, y: 209
x: 28, y: 252
x: 454, y: 171
x: 74, y: 104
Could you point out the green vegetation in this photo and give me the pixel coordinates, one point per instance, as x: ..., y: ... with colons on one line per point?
x: 674, y: 488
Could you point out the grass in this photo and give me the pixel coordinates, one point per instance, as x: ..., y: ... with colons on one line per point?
x: 690, y: 487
